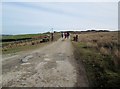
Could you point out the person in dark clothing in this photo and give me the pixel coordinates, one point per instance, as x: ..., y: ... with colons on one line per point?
x: 52, y: 37
x: 62, y: 35
x: 76, y: 38
x: 68, y: 34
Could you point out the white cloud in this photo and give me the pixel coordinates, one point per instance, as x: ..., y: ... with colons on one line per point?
x: 34, y: 17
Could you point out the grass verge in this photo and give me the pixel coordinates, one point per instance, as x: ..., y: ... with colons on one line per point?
x: 15, y: 49
x: 100, y: 69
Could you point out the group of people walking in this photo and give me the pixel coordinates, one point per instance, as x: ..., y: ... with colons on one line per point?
x: 75, y: 38
x: 65, y: 35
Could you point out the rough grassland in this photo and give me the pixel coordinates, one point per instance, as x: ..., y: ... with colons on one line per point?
x: 100, y: 56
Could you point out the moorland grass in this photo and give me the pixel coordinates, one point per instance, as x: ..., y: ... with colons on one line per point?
x: 101, y: 64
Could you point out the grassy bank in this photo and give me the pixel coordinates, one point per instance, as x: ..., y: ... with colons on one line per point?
x: 16, y: 46
x: 100, y: 55
x: 23, y: 48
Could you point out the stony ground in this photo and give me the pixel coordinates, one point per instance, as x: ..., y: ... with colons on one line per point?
x: 50, y: 66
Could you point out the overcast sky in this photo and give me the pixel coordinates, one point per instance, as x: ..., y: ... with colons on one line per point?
x: 34, y: 17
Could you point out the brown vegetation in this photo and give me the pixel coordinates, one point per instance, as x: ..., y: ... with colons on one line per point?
x: 100, y: 53
x: 105, y: 42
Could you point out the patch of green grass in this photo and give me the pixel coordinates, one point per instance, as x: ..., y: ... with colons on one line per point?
x: 100, y: 69
x: 20, y: 36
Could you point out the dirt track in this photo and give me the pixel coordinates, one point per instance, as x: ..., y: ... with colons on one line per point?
x: 51, y: 66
